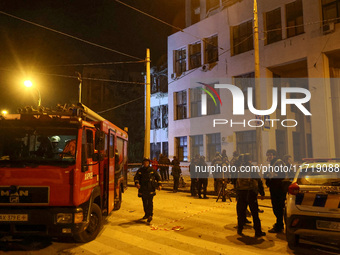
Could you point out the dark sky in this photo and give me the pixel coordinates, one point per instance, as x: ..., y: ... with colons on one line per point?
x: 28, y: 48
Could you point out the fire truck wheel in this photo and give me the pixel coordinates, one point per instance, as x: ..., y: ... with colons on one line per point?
x: 95, y: 225
x: 119, y: 203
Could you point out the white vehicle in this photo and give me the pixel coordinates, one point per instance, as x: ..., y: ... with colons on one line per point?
x: 313, y: 202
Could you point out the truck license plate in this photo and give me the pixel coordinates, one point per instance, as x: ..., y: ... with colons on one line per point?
x: 13, y: 217
x: 328, y: 225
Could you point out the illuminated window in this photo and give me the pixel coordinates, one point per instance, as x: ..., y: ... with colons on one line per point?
x: 182, y: 148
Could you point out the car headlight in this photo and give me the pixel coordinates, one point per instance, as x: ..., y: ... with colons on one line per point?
x: 64, y: 218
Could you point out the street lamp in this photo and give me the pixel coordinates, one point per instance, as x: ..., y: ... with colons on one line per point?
x: 29, y: 84
x: 4, y: 112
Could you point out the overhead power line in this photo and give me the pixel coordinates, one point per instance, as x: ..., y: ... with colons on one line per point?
x: 68, y: 35
x: 96, y: 64
x: 76, y: 77
x: 166, y: 23
x: 110, y: 109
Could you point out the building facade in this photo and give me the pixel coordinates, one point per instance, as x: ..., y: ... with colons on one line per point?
x: 159, y: 112
x: 298, y: 48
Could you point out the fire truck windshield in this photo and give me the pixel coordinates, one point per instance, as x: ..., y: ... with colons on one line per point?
x: 37, y: 145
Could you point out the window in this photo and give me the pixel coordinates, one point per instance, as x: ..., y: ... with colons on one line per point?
x: 195, y: 11
x: 180, y: 61
x: 159, y: 84
x: 211, y: 49
x: 164, y: 116
x: 294, y: 16
x: 181, y: 105
x: 89, y: 143
x: 213, y: 145
x: 330, y: 10
x: 243, y: 82
x: 155, y: 118
x: 196, y: 142
x: 212, y: 4
x: 112, y: 146
x: 165, y: 151
x: 195, y: 102
x: 273, y: 26
x: 242, y: 36
x: 155, y: 150
x: 182, y: 148
x: 213, y: 108
x: 246, y: 143
x: 195, y: 55
x: 277, y: 83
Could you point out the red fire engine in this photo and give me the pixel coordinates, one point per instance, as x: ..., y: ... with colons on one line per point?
x: 61, y: 171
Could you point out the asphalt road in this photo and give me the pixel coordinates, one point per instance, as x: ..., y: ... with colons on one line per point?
x: 181, y: 225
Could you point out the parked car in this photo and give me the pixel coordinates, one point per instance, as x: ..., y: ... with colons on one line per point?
x: 313, y: 202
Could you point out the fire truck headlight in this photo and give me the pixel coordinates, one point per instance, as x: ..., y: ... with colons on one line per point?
x: 64, y: 218
x: 78, y: 217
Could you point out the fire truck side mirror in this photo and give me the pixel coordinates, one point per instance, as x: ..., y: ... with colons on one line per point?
x: 100, y: 140
x: 97, y: 156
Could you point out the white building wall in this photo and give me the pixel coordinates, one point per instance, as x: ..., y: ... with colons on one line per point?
x: 308, y: 46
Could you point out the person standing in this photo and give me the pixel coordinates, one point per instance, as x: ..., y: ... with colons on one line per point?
x: 193, y: 175
x: 203, y: 178
x: 248, y: 184
x: 147, y: 180
x: 162, y: 168
x: 217, y: 174
x: 176, y: 173
x: 154, y: 164
x: 167, y: 162
x: 275, y: 181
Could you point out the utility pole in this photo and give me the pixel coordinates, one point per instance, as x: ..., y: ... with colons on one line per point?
x: 80, y: 85
x: 257, y: 82
x: 147, y: 107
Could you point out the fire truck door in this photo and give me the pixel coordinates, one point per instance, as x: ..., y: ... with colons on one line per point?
x: 110, y: 172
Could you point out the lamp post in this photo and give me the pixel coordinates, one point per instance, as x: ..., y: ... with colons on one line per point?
x: 29, y: 84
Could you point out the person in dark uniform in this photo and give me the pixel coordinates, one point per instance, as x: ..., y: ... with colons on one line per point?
x: 248, y: 184
x: 202, y: 178
x: 147, y: 180
x: 217, y: 162
x: 176, y: 173
x: 193, y: 175
x: 276, y: 184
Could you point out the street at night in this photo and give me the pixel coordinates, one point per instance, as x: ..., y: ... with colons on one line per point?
x: 181, y: 225
x: 169, y: 127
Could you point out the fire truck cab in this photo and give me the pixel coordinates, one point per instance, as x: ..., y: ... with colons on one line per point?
x: 61, y: 171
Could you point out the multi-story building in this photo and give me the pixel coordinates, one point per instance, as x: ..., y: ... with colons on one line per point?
x: 298, y: 39
x: 159, y: 112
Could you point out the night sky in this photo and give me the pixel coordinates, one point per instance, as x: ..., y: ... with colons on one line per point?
x: 30, y: 51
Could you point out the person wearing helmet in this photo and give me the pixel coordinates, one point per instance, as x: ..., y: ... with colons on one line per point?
x: 147, y: 180
x: 55, y: 141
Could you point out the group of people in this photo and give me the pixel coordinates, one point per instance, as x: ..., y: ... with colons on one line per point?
x: 199, y: 181
x: 162, y: 164
x: 247, y: 185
